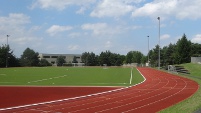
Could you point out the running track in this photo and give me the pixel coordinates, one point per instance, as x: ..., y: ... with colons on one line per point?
x: 159, y: 91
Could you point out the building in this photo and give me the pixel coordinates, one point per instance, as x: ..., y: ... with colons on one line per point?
x: 196, y: 60
x: 52, y: 58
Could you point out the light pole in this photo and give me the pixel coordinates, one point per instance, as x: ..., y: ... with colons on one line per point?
x: 159, y: 44
x: 7, y: 51
x: 148, y: 50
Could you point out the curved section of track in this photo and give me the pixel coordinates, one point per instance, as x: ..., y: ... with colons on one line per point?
x: 159, y: 91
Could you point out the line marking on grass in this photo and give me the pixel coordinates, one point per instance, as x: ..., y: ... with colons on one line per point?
x: 8, y: 82
x: 47, y: 79
x: 3, y: 74
x: 106, y: 83
x: 131, y: 77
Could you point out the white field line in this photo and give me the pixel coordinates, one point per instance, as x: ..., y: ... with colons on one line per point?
x: 42, y: 103
x: 106, y: 83
x: 131, y: 77
x: 48, y: 79
x: 3, y: 74
x: 8, y: 82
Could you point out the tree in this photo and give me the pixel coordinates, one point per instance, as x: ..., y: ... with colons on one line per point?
x: 183, y: 50
x: 90, y: 59
x: 74, y: 60
x: 104, y: 58
x: 29, y: 58
x: 3, y: 55
x: 60, y: 60
x: 143, y: 59
x: 134, y: 57
x: 137, y: 56
x: 111, y: 59
x: 129, y: 57
x: 170, y: 54
x: 154, y: 56
x: 44, y: 62
x: 6, y: 54
x: 178, y: 53
x: 196, y: 50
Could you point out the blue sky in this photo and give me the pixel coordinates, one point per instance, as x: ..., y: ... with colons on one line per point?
x: 77, y: 26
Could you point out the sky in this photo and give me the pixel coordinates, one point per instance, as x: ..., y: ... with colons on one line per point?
x: 77, y: 26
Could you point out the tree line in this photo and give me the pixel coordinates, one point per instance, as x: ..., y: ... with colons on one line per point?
x: 177, y: 53
x: 31, y: 58
x: 28, y: 58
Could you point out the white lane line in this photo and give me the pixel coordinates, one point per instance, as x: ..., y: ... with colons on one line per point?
x: 158, y: 100
x: 122, y: 101
x: 49, y: 102
x: 96, y: 101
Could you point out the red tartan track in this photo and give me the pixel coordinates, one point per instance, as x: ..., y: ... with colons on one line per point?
x: 159, y: 91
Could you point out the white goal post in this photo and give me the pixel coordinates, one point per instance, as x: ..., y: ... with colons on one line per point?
x: 74, y: 64
x: 105, y: 66
x: 78, y: 64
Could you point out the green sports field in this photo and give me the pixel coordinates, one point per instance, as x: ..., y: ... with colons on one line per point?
x: 70, y: 76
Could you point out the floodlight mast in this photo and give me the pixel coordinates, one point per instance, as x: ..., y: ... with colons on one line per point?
x: 148, y: 50
x: 159, y: 44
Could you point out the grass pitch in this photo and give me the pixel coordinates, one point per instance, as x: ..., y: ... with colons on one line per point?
x: 69, y: 76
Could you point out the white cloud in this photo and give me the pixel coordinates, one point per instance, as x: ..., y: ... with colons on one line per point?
x: 21, y: 36
x: 14, y: 25
x: 197, y: 38
x: 165, y: 36
x: 81, y: 10
x: 180, y: 9
x: 103, y: 29
x: 98, y: 28
x: 14, y: 18
x: 54, y: 29
x: 26, y: 40
x: 59, y: 4
x: 74, y: 34
x: 73, y: 47
x: 156, y: 8
x: 108, y: 44
x: 112, y: 8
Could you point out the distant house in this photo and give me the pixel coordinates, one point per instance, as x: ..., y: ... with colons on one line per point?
x: 52, y: 58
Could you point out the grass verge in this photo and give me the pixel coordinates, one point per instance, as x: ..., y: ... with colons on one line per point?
x: 193, y: 103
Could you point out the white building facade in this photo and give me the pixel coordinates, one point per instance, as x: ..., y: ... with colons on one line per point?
x: 52, y: 58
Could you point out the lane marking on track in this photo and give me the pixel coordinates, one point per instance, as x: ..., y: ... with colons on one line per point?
x: 157, y: 100
x: 74, y: 98
x: 152, y: 96
x: 123, y: 100
x: 95, y: 101
x: 139, y: 100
